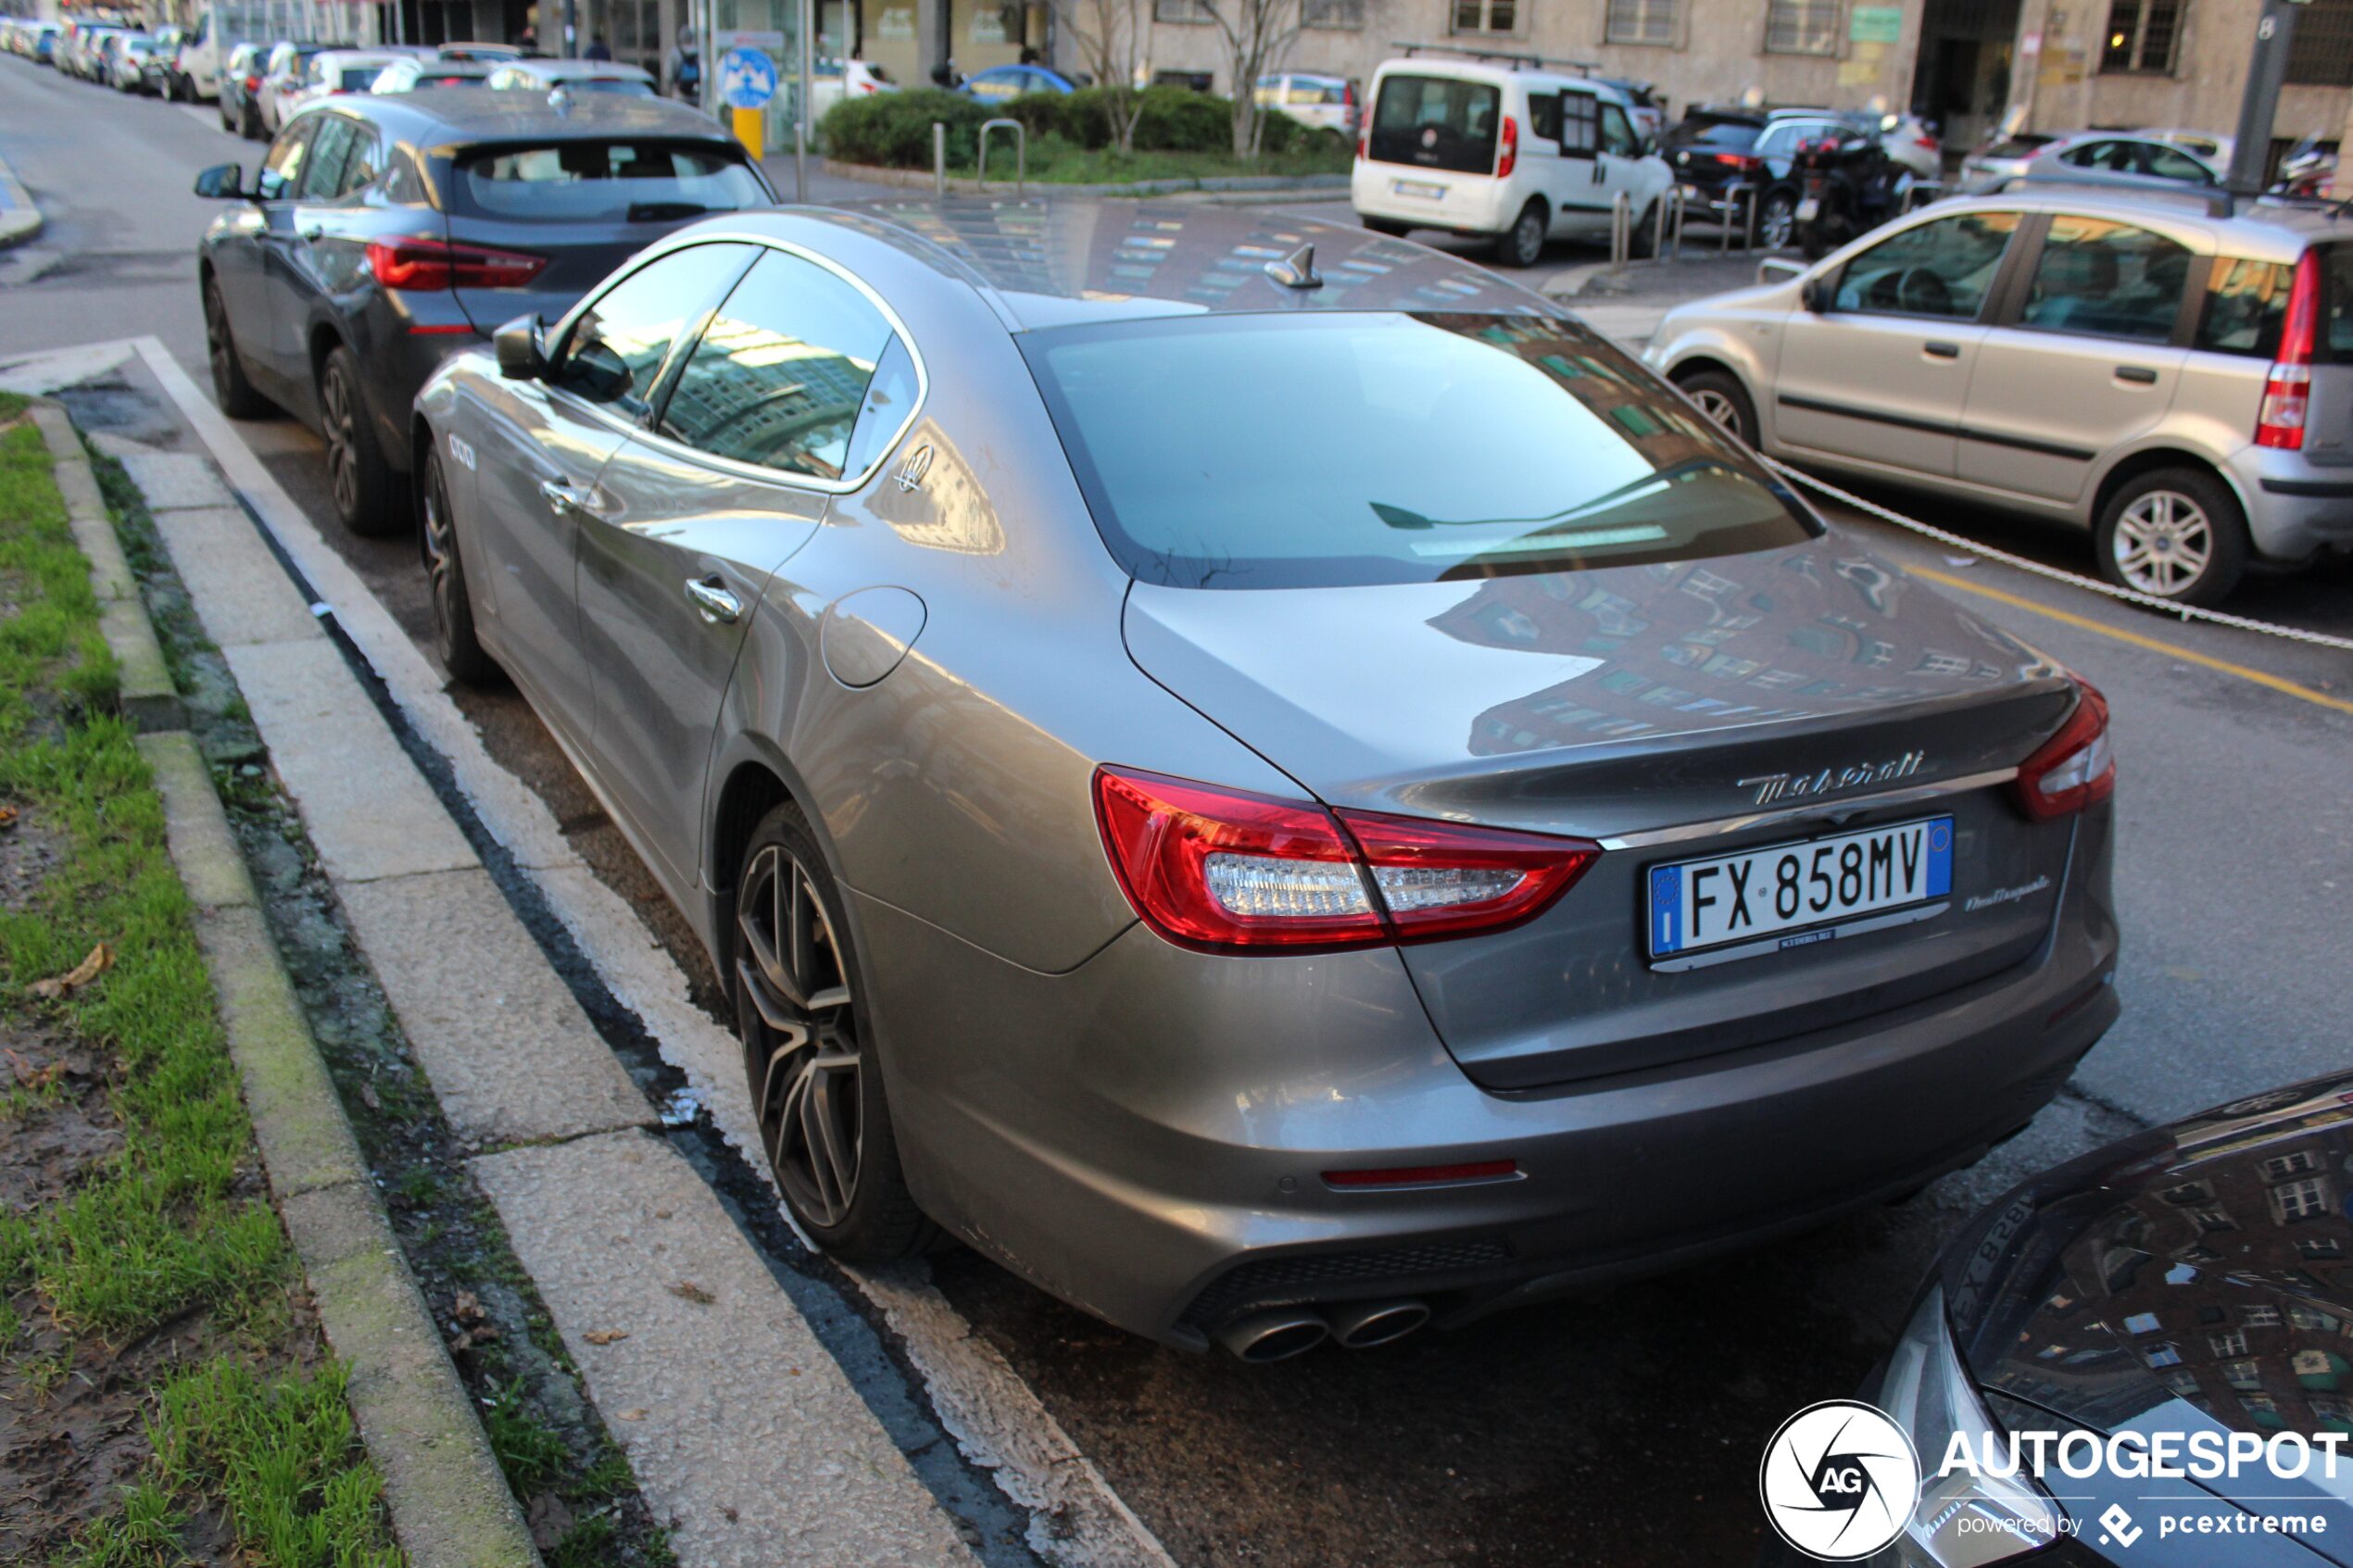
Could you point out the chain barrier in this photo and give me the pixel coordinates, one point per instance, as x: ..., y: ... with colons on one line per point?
x: 2036, y: 569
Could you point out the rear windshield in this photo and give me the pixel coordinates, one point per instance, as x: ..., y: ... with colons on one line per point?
x: 459, y: 79
x: 1436, y: 122
x: 1738, y: 134
x: 1290, y: 451
x: 2017, y: 147
x: 606, y: 85
x: 357, y: 78
x: 611, y: 182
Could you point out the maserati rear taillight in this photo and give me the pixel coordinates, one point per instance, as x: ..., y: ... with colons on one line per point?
x: 2287, y: 391
x: 2075, y: 768
x: 422, y: 262
x: 1224, y: 870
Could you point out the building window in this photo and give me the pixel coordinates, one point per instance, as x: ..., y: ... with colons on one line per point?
x: 2187, y: 1193
x: 2311, y: 1319
x: 2232, y: 1342
x: 2259, y: 1317
x: 2321, y: 52
x: 2299, y: 1201
x: 1348, y: 13
x: 2259, y: 1405
x: 1180, y: 11
x: 2280, y: 1167
x: 1642, y: 22
x: 1800, y: 27
x: 1495, y: 17
x: 2181, y: 1382
x: 2164, y: 1355
x: 2140, y: 1323
x: 2320, y: 1247
x: 2212, y: 1219
x: 2141, y: 35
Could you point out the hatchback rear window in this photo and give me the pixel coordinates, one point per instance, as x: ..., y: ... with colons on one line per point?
x: 1733, y: 136
x: 605, y: 181
x: 1437, y: 122
x: 1313, y: 451
x: 357, y: 78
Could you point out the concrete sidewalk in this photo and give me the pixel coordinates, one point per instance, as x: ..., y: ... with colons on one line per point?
x: 20, y: 215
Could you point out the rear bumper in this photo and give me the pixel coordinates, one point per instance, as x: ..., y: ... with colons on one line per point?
x: 1145, y: 1135
x: 2293, y: 507
x: 1471, y: 205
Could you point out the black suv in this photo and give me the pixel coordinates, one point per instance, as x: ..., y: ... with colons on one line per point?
x: 384, y: 233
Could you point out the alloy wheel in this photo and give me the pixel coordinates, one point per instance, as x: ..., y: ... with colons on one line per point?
x: 807, y: 1048
x: 218, y: 348
x: 441, y: 556
x: 343, y: 437
x: 2164, y: 544
x: 1778, y: 223
x: 1528, y: 238
x: 1719, y: 409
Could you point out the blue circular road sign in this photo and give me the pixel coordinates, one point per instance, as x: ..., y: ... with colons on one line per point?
x: 747, y: 78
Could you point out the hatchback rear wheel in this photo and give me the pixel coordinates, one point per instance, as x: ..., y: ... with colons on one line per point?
x: 362, y: 483
x: 824, y: 1121
x: 1776, y: 221
x: 2176, y: 534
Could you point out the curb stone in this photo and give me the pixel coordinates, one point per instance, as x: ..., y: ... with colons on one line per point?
x: 921, y: 179
x: 449, y: 1502
x: 149, y: 699
x: 20, y: 215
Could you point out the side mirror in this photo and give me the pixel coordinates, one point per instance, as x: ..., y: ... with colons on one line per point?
x: 1814, y: 295
x: 522, y: 353
x: 223, y: 182
x: 1779, y: 270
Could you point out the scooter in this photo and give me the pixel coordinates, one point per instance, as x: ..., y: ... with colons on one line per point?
x: 1847, y: 186
x: 2307, y: 172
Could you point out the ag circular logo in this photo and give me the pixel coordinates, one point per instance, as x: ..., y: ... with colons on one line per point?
x: 1839, y: 1480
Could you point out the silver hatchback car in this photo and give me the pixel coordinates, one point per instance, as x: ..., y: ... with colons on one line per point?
x: 2172, y: 375
x: 1264, y: 865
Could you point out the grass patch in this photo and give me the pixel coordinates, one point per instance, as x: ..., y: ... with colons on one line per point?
x: 1053, y: 161
x: 167, y: 1238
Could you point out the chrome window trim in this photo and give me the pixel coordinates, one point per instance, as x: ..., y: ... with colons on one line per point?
x: 809, y: 483
x: 1813, y: 808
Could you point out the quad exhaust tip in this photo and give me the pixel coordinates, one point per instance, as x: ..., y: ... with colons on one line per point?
x: 1279, y: 1334
x: 1363, y: 1325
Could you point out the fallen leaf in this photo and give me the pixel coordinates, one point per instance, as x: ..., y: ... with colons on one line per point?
x: 688, y: 1291
x: 101, y: 958
x: 605, y: 1335
x: 467, y: 1308
x: 7, y: 818
x: 633, y: 1415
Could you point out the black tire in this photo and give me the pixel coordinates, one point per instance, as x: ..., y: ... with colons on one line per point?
x: 1773, y: 222
x: 453, y: 607
x: 2177, y: 535
x: 1385, y: 226
x: 1642, y: 243
x: 229, y: 389
x: 367, y: 492
x: 250, y: 122
x: 1726, y: 403
x: 1522, y: 245
x: 808, y: 1053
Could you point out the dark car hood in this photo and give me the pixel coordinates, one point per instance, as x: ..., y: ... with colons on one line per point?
x: 1605, y: 699
x: 2078, y: 1291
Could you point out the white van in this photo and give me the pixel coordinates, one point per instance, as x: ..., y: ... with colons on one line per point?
x: 1506, y: 150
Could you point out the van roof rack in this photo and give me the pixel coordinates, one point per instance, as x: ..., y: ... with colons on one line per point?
x: 1518, y: 62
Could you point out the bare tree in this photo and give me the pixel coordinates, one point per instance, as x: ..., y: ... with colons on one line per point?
x: 1110, y: 36
x: 1257, y: 36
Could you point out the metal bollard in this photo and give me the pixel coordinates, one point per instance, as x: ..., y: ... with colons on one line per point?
x: 1737, y: 193
x: 1672, y: 201
x: 939, y: 157
x: 1021, y: 152
x: 1621, y: 230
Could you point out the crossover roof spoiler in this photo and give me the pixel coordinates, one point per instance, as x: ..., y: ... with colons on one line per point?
x: 1518, y: 62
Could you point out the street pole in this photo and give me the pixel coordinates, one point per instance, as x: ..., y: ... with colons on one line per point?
x: 2266, y: 73
x: 802, y: 132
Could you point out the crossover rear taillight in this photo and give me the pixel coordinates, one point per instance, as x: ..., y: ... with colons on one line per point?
x: 1224, y: 870
x: 2287, y: 391
x: 420, y: 262
x: 2075, y: 768
x: 1740, y: 161
x: 1507, y: 150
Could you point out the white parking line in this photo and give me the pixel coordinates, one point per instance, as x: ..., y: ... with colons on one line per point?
x: 994, y: 1416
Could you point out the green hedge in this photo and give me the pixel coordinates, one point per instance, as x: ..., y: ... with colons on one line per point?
x: 894, y: 129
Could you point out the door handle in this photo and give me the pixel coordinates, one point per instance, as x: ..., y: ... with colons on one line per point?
x: 1939, y: 350
x: 2140, y: 375
x: 718, y: 605
x: 559, y: 495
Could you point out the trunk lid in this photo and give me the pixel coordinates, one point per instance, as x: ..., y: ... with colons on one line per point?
x: 1623, y: 705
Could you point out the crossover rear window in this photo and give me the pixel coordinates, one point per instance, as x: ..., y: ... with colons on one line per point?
x: 1437, y: 122
x: 604, y: 182
x: 1288, y: 451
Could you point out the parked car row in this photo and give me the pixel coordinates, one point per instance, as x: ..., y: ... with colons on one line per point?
x: 28, y: 36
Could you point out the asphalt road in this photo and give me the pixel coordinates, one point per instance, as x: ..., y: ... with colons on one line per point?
x: 1625, y: 1430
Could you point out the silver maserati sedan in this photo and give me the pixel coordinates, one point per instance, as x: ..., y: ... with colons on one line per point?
x: 1258, y: 774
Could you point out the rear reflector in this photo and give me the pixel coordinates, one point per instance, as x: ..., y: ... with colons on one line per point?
x: 445, y: 329
x: 1224, y: 871
x: 1425, y: 1176
x: 2075, y: 768
x: 422, y: 262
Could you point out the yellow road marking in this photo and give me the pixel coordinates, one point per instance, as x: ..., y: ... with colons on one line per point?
x: 2155, y: 644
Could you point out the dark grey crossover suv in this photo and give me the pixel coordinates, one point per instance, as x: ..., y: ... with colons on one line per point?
x: 1262, y: 776
x: 381, y: 233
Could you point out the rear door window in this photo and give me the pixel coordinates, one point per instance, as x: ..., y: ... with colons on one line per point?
x: 2337, y: 337
x: 615, y: 350
x: 1581, y: 124
x: 1941, y: 269
x: 330, y: 146
x: 2173, y: 164
x: 282, y: 170
x: 1617, y: 135
x: 2108, y: 280
x: 1437, y: 122
x: 604, y: 182
x: 1437, y: 448
x: 781, y: 372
